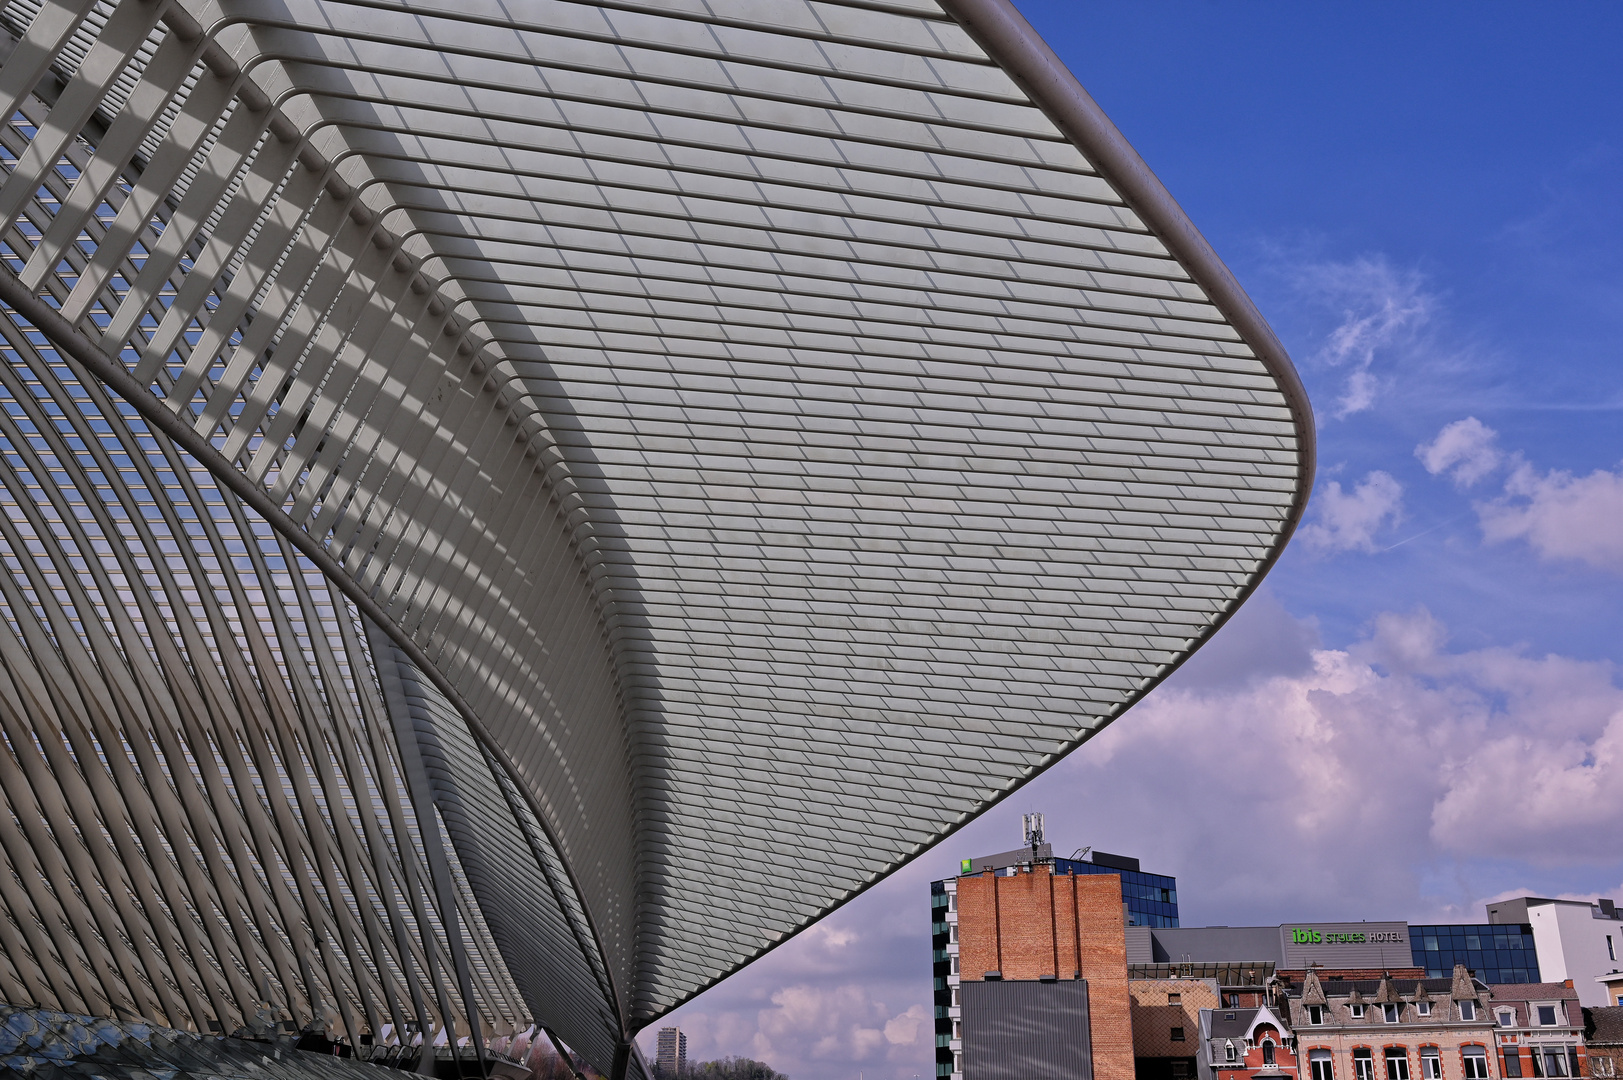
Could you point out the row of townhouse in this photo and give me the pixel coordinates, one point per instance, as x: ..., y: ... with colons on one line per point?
x: 1331, y: 1025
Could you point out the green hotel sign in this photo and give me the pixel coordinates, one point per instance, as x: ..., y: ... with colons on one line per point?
x: 966, y: 866
x: 1303, y: 935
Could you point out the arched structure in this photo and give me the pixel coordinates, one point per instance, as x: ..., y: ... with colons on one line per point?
x: 513, y: 510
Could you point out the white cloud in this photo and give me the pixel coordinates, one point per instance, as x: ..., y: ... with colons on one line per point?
x: 1349, y: 520
x: 835, y: 1025
x: 1561, y: 516
x: 1381, y: 309
x: 1361, y: 771
x: 1464, y: 450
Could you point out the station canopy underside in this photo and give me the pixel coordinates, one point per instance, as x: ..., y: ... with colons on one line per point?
x: 512, y: 510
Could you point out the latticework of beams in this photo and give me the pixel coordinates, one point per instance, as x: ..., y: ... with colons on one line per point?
x: 566, y: 495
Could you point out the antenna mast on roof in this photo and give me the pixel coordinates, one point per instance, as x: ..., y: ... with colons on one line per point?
x: 1031, y: 827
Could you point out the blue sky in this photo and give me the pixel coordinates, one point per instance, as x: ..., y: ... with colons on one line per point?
x: 1424, y: 707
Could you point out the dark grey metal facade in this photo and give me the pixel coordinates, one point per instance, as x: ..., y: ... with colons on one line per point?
x: 1027, y: 1030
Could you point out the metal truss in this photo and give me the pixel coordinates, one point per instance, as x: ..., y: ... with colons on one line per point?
x: 513, y: 511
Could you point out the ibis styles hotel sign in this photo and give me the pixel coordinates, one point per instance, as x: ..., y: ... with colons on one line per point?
x: 1346, y: 945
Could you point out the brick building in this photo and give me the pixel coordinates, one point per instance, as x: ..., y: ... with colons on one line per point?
x: 1540, y: 1030
x: 1246, y: 1044
x: 1603, y: 1040
x: 1239, y: 986
x: 1391, y: 1029
x: 1166, y: 1025
x: 1028, y: 924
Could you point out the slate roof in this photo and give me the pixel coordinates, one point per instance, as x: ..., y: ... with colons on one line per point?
x: 1223, y: 1027
x: 1608, y: 1021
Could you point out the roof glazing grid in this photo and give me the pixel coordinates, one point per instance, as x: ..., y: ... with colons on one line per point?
x: 899, y: 452
x: 901, y: 438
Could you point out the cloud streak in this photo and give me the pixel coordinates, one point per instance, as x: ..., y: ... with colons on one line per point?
x: 1381, y: 310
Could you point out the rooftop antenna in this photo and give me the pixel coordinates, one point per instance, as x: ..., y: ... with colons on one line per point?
x: 1031, y: 827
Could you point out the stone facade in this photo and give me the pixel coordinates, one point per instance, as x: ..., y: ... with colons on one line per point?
x: 1392, y: 1029
x: 1540, y: 1030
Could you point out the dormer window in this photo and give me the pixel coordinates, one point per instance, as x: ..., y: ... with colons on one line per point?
x: 1507, y: 1017
x: 1267, y: 1051
x: 1315, y: 1014
x: 1467, y: 1010
x: 1546, y: 1016
x: 1422, y: 1008
x: 1390, y: 1013
x: 1355, y: 1011
x: 1229, y: 1053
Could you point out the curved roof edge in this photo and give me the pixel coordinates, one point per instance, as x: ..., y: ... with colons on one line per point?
x: 1012, y: 43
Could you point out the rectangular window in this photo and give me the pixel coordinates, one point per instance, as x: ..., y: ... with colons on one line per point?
x: 1476, y: 1063
x: 954, y: 931
x: 1322, y: 1069
x: 1513, y: 1063
x: 1363, y: 1064
x: 958, y: 1030
x: 1174, y: 999
x: 1431, y: 1064
x: 1507, y: 1017
x: 1423, y: 1008
x: 1315, y: 1014
x: 1229, y: 1053
x: 1555, y: 1063
x: 1467, y: 1010
x: 1611, y: 953
x: 1397, y: 1063
x: 955, y: 997
x: 1356, y: 1011
x: 1538, y: 1063
x: 1390, y: 1013
x: 1546, y: 1016
x: 1177, y: 1035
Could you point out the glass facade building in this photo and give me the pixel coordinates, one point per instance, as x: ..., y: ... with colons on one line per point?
x: 1495, y: 953
x: 1151, y: 899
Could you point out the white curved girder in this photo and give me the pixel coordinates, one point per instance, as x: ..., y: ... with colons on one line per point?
x: 777, y: 429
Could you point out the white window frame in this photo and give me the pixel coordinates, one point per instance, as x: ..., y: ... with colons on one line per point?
x: 1229, y: 1053
x: 1467, y: 1009
x: 1422, y: 1008
x: 1401, y: 1061
x: 1355, y: 1011
x: 1475, y: 1053
x: 1555, y: 1013
x: 1431, y: 1063
x: 1315, y: 1014
x: 1391, y: 1013
x: 1507, y: 1018
x: 1321, y: 1068
x: 1360, y: 1064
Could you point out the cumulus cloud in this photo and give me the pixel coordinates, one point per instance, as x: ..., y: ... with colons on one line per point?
x: 1381, y: 308
x: 1561, y: 516
x: 1349, y: 520
x: 1367, y: 768
x: 1464, y: 450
